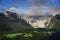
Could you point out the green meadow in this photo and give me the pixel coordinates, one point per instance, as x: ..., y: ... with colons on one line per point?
x: 32, y: 35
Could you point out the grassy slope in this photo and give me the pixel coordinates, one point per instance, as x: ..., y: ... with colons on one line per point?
x: 17, y: 27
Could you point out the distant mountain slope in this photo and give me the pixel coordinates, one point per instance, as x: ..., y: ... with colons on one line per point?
x: 9, y: 22
x: 55, y: 23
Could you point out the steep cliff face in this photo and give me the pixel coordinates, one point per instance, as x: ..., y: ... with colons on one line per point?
x: 38, y: 21
x: 55, y: 23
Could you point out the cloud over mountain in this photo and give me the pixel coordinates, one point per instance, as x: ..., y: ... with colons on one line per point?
x: 38, y: 8
x: 40, y: 2
x: 10, y: 8
x: 35, y: 10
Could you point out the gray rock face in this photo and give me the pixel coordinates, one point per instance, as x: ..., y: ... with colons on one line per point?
x: 38, y: 21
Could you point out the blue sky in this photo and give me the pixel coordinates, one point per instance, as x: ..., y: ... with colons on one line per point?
x: 22, y: 5
x: 17, y: 3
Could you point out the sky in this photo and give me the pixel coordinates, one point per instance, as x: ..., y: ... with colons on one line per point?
x: 31, y: 7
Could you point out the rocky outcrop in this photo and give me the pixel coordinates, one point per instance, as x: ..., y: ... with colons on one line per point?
x: 38, y: 21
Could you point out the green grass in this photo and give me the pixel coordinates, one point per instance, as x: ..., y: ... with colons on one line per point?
x: 18, y: 34
x: 28, y: 35
x: 13, y: 35
x: 17, y: 26
x: 49, y: 33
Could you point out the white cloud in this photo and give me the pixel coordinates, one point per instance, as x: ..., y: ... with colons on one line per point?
x: 40, y: 2
x: 12, y: 8
x: 57, y: 9
x: 36, y: 10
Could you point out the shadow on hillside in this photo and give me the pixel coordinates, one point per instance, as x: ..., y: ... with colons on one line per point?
x: 54, y: 37
x: 4, y: 27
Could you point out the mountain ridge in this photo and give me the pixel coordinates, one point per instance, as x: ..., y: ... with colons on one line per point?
x: 11, y: 23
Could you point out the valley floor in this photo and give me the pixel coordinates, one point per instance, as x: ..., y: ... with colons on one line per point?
x: 32, y: 35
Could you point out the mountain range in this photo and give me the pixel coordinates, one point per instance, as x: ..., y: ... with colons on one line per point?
x: 11, y: 21
x: 41, y: 21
